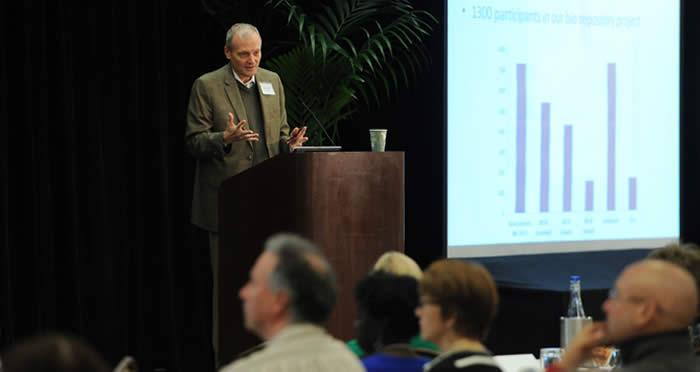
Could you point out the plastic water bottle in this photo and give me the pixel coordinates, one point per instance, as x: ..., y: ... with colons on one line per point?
x: 575, y: 304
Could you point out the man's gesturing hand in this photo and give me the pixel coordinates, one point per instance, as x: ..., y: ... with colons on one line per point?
x: 238, y: 132
x: 297, y: 138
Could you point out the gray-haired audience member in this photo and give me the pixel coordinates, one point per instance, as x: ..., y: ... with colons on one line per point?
x: 290, y: 293
x: 647, y: 315
x: 52, y: 353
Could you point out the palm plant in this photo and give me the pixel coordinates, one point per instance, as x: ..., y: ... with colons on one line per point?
x: 350, y: 53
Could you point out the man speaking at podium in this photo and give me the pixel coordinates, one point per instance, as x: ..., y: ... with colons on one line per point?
x: 236, y: 119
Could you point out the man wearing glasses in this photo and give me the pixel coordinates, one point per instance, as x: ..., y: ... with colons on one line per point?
x: 647, y: 317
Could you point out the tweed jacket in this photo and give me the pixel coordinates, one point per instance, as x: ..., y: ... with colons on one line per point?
x: 213, y: 96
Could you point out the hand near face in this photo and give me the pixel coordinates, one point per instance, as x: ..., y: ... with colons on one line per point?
x: 238, y: 132
x: 582, y: 346
x: 297, y: 139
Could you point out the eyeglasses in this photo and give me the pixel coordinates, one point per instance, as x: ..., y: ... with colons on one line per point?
x: 614, y: 294
x: 425, y: 300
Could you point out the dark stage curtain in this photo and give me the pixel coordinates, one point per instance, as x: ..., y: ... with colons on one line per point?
x: 95, y: 200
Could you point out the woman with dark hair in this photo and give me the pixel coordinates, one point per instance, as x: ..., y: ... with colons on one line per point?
x: 459, y: 301
x: 386, y: 322
x: 397, y: 263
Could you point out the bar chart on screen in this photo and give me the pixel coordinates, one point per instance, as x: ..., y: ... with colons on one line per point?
x: 562, y: 124
x: 567, y: 141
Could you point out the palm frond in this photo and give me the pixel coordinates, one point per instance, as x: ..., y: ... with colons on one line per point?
x: 352, y: 52
x: 304, y: 77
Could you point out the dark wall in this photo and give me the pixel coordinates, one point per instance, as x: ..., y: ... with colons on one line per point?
x: 95, y: 185
x: 690, y: 114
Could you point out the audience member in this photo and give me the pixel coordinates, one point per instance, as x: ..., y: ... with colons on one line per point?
x: 647, y: 315
x: 386, y: 322
x: 290, y: 293
x: 52, y: 353
x: 398, y: 263
x: 459, y: 301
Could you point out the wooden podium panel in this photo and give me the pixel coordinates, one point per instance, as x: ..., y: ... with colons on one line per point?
x: 351, y: 204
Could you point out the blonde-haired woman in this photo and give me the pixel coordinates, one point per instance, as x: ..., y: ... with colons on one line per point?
x: 398, y: 263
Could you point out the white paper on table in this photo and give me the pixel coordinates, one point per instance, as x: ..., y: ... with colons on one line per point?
x: 517, y: 362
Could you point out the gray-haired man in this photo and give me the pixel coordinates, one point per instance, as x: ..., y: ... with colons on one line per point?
x: 290, y: 293
x: 236, y: 119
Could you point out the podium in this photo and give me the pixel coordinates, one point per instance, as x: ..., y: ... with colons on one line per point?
x: 351, y: 204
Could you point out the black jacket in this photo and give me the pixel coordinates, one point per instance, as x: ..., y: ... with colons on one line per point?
x: 659, y: 353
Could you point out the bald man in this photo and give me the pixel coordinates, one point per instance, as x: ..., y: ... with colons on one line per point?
x: 647, y: 316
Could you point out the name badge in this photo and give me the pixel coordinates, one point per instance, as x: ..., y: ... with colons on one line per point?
x: 267, y: 89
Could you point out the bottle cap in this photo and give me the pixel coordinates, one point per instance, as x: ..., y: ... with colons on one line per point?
x: 575, y: 278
